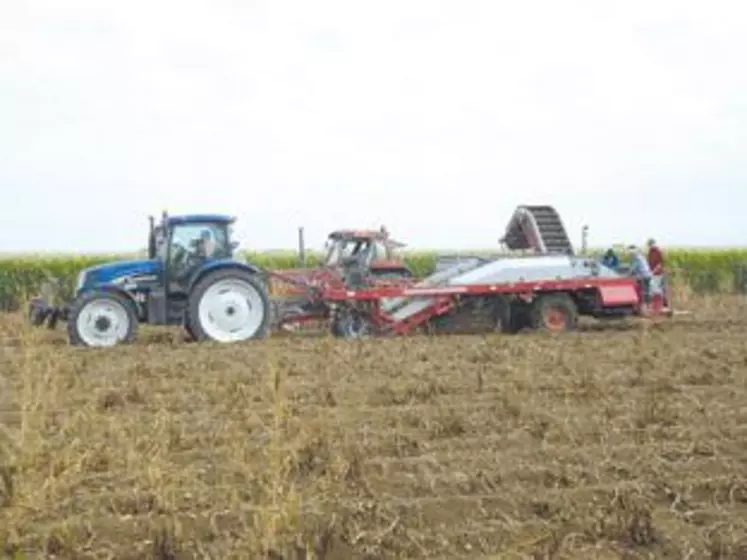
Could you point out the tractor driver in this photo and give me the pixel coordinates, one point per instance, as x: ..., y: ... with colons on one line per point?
x: 206, y: 244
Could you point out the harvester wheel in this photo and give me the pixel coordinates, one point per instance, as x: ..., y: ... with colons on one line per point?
x: 554, y: 313
x: 510, y: 316
x: 229, y: 305
x: 102, y: 318
x: 520, y: 317
x: 502, y: 314
x: 351, y: 325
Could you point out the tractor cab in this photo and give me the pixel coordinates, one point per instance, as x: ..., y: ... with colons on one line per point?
x: 183, y: 246
x: 179, y: 239
x: 190, y: 277
x: 360, y: 253
x: 370, y: 250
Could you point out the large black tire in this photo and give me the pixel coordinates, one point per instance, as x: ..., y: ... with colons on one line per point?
x: 198, y: 330
x: 554, y: 313
x: 120, y: 301
x: 188, y: 329
x: 351, y: 327
x: 509, y: 315
x: 502, y: 309
x: 520, y: 317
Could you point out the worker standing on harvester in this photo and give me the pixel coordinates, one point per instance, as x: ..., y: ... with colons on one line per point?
x: 656, y: 264
x: 611, y: 260
x: 641, y: 270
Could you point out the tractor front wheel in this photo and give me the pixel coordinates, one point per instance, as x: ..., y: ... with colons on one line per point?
x: 229, y: 305
x: 102, y: 318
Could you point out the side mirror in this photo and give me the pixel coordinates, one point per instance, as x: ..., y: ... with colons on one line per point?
x: 234, y: 245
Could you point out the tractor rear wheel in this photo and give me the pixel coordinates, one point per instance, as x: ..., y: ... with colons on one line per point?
x: 102, y: 318
x: 188, y: 329
x: 554, y: 313
x: 229, y: 305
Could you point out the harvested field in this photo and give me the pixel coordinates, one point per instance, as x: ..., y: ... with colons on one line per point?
x: 619, y: 442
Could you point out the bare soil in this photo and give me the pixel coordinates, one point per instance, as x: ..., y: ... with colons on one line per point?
x: 628, y: 441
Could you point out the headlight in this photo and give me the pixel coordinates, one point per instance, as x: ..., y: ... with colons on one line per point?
x: 81, y: 280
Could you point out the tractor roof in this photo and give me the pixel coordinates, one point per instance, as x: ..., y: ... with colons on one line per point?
x: 200, y: 219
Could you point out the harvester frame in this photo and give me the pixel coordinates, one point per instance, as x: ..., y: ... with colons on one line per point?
x: 551, y: 305
x: 549, y: 289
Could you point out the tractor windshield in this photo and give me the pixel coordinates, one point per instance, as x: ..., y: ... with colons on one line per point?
x: 381, y: 251
x: 196, y: 241
x: 341, y: 251
x: 333, y: 254
x: 337, y: 251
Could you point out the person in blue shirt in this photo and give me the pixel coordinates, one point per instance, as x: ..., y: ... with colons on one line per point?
x: 641, y: 270
x: 611, y: 260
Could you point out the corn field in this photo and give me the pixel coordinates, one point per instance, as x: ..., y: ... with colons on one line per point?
x: 21, y: 277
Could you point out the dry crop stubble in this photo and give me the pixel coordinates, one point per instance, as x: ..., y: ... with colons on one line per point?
x: 606, y: 443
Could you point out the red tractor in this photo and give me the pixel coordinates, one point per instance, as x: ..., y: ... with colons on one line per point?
x: 353, y: 258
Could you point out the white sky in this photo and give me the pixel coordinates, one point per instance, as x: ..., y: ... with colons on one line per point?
x: 433, y: 117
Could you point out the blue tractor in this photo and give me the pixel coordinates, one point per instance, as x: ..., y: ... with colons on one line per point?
x: 190, y: 278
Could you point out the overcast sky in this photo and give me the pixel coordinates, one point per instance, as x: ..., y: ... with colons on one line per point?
x: 433, y: 117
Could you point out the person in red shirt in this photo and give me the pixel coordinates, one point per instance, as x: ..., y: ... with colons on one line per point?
x: 655, y: 258
x: 656, y: 263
